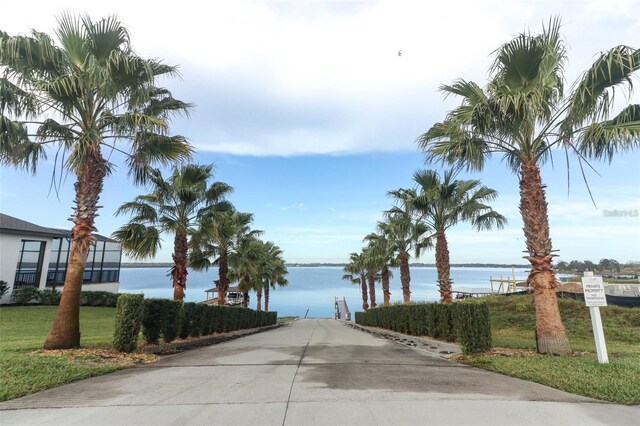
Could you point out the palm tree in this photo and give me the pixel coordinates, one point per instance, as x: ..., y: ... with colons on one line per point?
x: 404, y: 229
x: 274, y: 271
x: 355, y: 272
x: 219, y: 234
x: 88, y: 94
x: 373, y: 268
x: 445, y: 202
x: 380, y: 247
x: 175, y: 205
x: 244, y: 266
x: 523, y: 114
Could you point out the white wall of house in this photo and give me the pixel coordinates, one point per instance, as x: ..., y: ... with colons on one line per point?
x: 110, y: 287
x: 10, y: 246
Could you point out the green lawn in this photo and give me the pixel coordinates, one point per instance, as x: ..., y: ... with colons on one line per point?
x: 26, y: 327
x: 24, y: 366
x: 513, y: 324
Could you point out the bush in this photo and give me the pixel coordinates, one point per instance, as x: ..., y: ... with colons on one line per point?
x: 188, y: 313
x: 444, y: 322
x: 153, y: 318
x: 50, y: 296
x: 98, y: 298
x: 468, y: 323
x: 23, y: 296
x: 173, y: 320
x: 473, y: 326
x: 197, y: 317
x: 128, y: 318
x: 4, y: 288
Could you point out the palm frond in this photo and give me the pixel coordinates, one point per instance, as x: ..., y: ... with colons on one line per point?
x: 607, y: 138
x: 138, y: 241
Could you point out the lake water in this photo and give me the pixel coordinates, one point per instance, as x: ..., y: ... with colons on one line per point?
x: 313, y: 288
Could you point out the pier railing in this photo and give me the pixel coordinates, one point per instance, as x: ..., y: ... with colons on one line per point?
x: 342, y: 310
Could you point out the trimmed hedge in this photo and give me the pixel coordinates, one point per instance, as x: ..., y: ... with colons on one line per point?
x: 51, y: 296
x: 128, y: 317
x: 170, y: 319
x: 153, y: 319
x: 465, y: 322
x: 173, y: 319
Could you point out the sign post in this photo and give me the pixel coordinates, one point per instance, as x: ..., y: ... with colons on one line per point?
x: 594, y: 297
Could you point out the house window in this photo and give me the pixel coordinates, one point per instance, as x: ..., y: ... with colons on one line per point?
x: 58, y: 262
x: 103, y: 262
x: 29, y: 264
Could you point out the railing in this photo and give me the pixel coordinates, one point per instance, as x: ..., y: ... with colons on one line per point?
x: 26, y: 279
x: 342, y: 310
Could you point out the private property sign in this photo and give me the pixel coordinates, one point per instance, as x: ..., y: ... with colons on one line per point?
x: 593, y: 291
x: 594, y: 297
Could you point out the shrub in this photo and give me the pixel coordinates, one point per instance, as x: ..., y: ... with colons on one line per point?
x: 444, y: 322
x: 197, y: 316
x: 188, y: 312
x: 50, y: 296
x: 128, y: 318
x: 172, y: 321
x: 463, y: 321
x: 98, y: 298
x: 473, y: 326
x: 23, y: 296
x: 153, y: 318
x: 4, y: 287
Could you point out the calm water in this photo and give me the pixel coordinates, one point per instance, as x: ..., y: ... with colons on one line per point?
x: 312, y: 288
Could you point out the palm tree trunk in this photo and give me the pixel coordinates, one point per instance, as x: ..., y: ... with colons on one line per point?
x: 245, y: 299
x: 405, y: 277
x: 444, y: 266
x: 266, y: 299
x: 65, y: 330
x: 223, y: 280
x: 179, y: 270
x: 385, y: 285
x: 259, y: 299
x: 551, y: 336
x: 372, y: 290
x: 363, y: 285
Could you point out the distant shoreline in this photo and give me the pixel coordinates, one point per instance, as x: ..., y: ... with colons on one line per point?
x: 316, y: 265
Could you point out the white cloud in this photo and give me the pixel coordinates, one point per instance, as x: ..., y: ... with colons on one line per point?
x: 287, y: 78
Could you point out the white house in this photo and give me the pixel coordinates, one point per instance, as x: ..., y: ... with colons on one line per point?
x: 35, y: 256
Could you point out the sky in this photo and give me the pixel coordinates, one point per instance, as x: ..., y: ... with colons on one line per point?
x: 307, y: 109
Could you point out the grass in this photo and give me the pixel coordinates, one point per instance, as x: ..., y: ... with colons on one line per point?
x: 26, y: 368
x: 26, y: 327
x: 513, y: 324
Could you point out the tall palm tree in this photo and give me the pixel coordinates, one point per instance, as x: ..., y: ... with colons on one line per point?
x: 404, y: 229
x: 373, y: 268
x: 175, y: 206
x: 381, y: 248
x: 86, y: 95
x: 274, y: 271
x: 244, y: 266
x: 219, y: 234
x: 522, y: 114
x: 445, y: 202
x: 355, y: 272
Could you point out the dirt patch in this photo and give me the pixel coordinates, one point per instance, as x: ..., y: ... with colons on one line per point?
x: 100, y: 355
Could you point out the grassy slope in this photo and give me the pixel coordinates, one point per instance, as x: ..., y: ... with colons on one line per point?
x: 513, y: 324
x: 24, y: 368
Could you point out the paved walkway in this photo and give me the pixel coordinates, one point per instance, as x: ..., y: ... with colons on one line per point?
x: 312, y: 372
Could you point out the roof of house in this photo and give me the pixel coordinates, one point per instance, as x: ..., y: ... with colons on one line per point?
x: 13, y: 225
x: 229, y: 290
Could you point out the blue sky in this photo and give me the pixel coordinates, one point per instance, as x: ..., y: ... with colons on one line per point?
x: 307, y: 110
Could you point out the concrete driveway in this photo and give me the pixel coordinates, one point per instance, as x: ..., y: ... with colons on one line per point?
x: 311, y: 372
